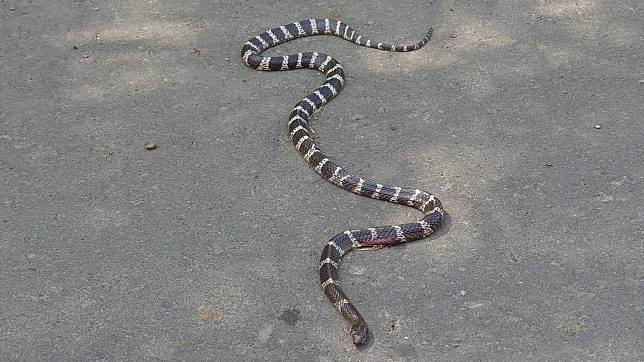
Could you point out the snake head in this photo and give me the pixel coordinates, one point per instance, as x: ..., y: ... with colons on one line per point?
x: 359, y: 332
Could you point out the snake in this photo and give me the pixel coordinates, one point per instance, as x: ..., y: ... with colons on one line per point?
x: 301, y: 134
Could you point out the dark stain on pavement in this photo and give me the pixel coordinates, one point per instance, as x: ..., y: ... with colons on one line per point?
x: 290, y: 316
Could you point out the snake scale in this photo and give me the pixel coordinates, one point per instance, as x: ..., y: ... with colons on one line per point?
x: 300, y: 134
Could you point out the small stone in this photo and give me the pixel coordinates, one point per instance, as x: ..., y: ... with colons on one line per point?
x: 463, y: 293
x: 227, y: 59
x: 453, y: 36
x: 395, y: 325
x: 150, y: 146
x: 548, y: 163
x: 196, y: 51
x: 641, y: 81
x: 597, y: 126
x: 12, y: 8
x: 85, y: 56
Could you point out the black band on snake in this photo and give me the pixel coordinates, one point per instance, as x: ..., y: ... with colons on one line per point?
x: 300, y: 134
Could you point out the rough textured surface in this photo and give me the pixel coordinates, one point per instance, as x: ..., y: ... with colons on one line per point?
x: 206, y: 247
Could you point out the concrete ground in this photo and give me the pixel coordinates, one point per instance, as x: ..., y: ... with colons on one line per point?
x: 206, y: 248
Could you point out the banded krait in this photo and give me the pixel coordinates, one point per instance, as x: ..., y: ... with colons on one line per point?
x: 300, y: 133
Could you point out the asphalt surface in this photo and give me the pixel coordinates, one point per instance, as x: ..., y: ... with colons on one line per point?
x: 206, y: 247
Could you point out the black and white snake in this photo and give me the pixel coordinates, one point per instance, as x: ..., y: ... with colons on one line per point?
x: 300, y: 133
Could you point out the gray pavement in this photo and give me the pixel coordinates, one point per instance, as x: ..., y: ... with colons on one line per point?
x: 206, y: 247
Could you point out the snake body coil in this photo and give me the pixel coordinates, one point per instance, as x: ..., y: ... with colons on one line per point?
x: 300, y: 134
